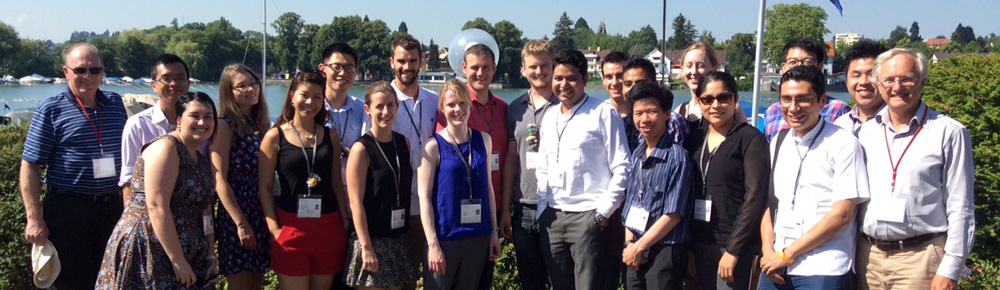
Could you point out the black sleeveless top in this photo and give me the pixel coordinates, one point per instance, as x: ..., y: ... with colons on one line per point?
x: 382, y: 193
x: 293, y: 171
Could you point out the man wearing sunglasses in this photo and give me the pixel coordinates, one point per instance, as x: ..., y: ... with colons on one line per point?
x: 801, y: 52
x: 76, y: 135
x: 170, y: 82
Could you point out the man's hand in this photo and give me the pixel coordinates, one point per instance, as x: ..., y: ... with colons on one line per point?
x: 943, y: 283
x: 36, y: 231
x: 726, y: 265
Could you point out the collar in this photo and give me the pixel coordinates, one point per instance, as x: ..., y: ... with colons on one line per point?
x: 882, y: 118
x: 809, y: 136
x: 855, y: 115
x: 158, y: 116
x: 472, y: 95
x: 578, y: 104
x: 348, y: 106
x: 100, y: 98
x: 662, y: 149
x: 402, y: 97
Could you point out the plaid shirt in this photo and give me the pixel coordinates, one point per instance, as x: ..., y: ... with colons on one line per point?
x: 774, y: 121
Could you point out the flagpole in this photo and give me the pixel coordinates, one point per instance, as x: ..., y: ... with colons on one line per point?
x: 757, y: 64
x: 663, y: 53
x: 263, y: 50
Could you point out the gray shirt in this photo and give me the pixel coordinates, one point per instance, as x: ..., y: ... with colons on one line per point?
x: 520, y: 114
x: 933, y: 189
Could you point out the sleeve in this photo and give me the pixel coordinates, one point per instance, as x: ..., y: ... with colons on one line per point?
x: 131, y: 142
x: 850, y: 175
x: 771, y: 124
x: 510, y: 117
x: 959, y: 174
x: 678, y: 128
x: 756, y: 174
x: 41, y: 139
x: 834, y: 109
x: 617, y: 160
x: 679, y: 184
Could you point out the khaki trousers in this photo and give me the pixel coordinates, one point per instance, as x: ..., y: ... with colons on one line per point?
x: 911, y: 268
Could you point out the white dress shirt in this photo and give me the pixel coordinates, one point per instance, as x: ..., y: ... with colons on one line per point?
x: 934, y: 177
x: 831, y: 170
x: 584, y: 169
x: 139, y: 130
x: 852, y: 120
x: 416, y: 121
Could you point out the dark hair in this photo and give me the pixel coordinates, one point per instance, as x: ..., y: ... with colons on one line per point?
x: 166, y: 59
x: 651, y: 90
x: 865, y: 48
x: 479, y: 50
x: 200, y: 97
x: 717, y: 76
x: 614, y: 57
x: 406, y: 41
x: 573, y: 58
x: 810, y: 74
x: 814, y: 48
x: 339, y: 47
x: 380, y: 87
x: 288, y: 110
x: 644, y: 64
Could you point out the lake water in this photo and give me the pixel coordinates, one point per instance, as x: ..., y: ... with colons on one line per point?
x: 21, y: 97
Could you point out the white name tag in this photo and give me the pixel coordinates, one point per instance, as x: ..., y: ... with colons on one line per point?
x: 494, y: 162
x: 557, y: 179
x: 792, y: 231
x: 104, y: 166
x: 472, y: 211
x: 310, y: 207
x: 398, y: 218
x: 531, y: 160
x: 207, y: 223
x: 637, y: 219
x: 892, y: 209
x: 703, y: 210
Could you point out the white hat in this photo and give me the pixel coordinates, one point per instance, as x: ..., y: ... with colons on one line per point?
x: 45, y: 264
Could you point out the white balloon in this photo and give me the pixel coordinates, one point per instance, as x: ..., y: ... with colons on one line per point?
x: 463, y: 41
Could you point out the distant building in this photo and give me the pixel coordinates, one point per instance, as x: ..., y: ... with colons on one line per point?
x: 673, y: 62
x: 594, y: 60
x: 939, y: 56
x: 830, y: 53
x: 936, y: 43
x: 846, y: 38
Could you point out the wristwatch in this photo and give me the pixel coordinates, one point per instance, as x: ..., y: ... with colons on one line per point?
x: 601, y: 220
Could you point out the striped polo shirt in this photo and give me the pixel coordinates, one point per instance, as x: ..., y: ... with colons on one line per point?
x: 668, y: 180
x: 62, y: 138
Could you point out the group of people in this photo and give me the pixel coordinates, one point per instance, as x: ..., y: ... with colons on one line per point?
x: 592, y: 193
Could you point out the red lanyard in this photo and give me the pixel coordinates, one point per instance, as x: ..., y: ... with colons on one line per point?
x: 100, y: 121
x: 895, y: 164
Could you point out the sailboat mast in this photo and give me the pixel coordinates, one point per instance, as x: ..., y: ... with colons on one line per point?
x: 263, y: 50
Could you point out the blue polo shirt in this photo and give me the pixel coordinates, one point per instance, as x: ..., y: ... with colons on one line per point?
x: 668, y: 181
x: 62, y: 138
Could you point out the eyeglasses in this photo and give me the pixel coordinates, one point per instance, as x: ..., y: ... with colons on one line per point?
x: 801, y: 101
x: 903, y: 82
x: 167, y: 81
x: 336, y: 67
x: 243, y: 87
x: 92, y: 70
x: 723, y: 98
x: 798, y: 62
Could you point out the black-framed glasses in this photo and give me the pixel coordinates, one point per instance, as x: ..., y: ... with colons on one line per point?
x: 92, y: 70
x: 246, y: 86
x: 723, y: 98
x: 167, y: 81
x: 797, y: 62
x: 336, y: 67
x: 800, y: 101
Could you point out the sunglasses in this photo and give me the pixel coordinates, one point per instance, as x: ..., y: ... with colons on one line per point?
x: 723, y: 98
x: 92, y: 70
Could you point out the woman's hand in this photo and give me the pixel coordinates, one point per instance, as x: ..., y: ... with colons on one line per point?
x: 184, y: 273
x: 726, y: 265
x: 435, y: 260
x: 247, y: 238
x: 495, y: 250
x: 369, y: 262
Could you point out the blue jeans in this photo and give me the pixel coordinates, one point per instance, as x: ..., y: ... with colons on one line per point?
x: 527, y: 248
x: 793, y: 282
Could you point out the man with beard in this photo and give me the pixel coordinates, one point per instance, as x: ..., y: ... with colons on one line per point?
x: 860, y: 59
x: 170, y: 82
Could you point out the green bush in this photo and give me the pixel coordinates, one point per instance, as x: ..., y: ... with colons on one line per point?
x: 967, y: 88
x: 15, y: 264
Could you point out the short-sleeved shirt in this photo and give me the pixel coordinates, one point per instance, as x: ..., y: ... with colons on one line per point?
x: 520, y: 114
x: 491, y: 119
x: 62, y: 138
x: 660, y: 184
x: 809, y: 177
x: 348, y: 121
x: 140, y: 129
x: 774, y: 120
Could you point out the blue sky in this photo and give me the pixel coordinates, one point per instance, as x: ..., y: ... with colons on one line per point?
x: 441, y: 20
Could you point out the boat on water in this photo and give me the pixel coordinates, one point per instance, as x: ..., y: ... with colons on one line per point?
x: 34, y: 79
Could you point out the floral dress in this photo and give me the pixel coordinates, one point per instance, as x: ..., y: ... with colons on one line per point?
x: 134, y: 257
x: 242, y: 178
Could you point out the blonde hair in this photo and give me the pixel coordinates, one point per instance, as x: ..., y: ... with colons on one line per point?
x: 456, y: 86
x: 704, y: 47
x: 536, y: 47
x: 257, y: 121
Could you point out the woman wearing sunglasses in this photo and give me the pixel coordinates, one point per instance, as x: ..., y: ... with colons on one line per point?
x: 698, y: 60
x: 733, y: 160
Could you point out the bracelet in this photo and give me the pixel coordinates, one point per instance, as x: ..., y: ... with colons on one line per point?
x: 785, y: 258
x: 211, y: 257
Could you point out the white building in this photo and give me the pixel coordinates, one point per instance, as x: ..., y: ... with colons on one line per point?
x: 846, y: 38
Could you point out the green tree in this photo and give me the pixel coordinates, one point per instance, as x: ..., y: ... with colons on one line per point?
x: 615, y: 42
x: 740, y: 52
x: 434, y: 61
x: 509, y: 41
x: 581, y: 38
x: 307, y: 57
x: 132, y: 57
x: 562, y: 36
x: 898, y: 34
x: 972, y: 47
x: 963, y: 34
x: 402, y: 27
x: 581, y: 23
x: 173, y: 23
x: 9, y: 46
x: 915, y: 32
x: 641, y: 41
x: 479, y: 23
x: 684, y: 33
x: 788, y: 21
x: 372, y: 45
x: 288, y: 28
x: 707, y: 37
x: 35, y: 56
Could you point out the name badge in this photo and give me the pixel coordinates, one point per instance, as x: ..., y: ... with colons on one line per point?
x: 207, y: 223
x: 703, y: 210
x: 398, y: 218
x: 531, y: 160
x: 557, y: 179
x: 893, y: 209
x: 310, y: 206
x: 494, y: 162
x: 637, y: 219
x: 104, y: 166
x: 791, y: 231
x: 472, y: 211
